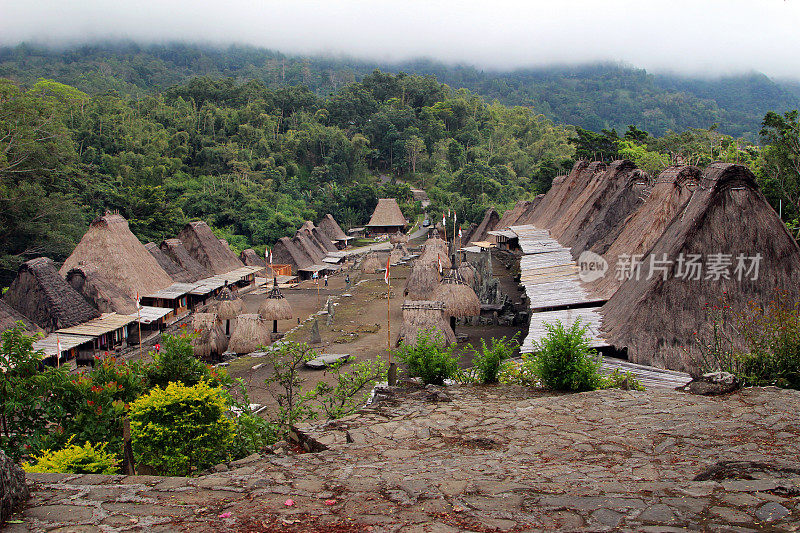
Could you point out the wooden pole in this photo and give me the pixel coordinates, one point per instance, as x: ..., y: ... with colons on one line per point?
x: 392, y: 375
x: 139, y: 323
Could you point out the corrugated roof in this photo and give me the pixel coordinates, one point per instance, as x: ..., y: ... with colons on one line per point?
x: 148, y: 314
x: 100, y: 326
x: 49, y: 344
x: 588, y: 316
x: 173, y: 292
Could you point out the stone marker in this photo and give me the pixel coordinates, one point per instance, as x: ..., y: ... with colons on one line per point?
x: 315, y: 338
x: 327, y: 360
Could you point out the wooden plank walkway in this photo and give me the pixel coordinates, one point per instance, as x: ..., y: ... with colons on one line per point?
x: 588, y: 316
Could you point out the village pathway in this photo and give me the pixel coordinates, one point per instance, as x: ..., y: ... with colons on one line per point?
x: 480, y: 458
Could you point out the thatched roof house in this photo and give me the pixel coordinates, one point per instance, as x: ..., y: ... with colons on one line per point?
x: 424, y: 316
x: 387, y: 217
x: 331, y: 228
x: 303, y: 243
x: 99, y: 292
x: 286, y: 252
x: 10, y: 316
x: 488, y: 223
x: 110, y: 246
x: 175, y: 250
x: 562, y: 195
x: 668, y: 197
x: 656, y: 319
x: 175, y: 271
x: 323, y: 239
x: 250, y: 258
x: 370, y: 264
x: 250, y: 334
x: 421, y: 281
x: 41, y: 294
x: 203, y: 245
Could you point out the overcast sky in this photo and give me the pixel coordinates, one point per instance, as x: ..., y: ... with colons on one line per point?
x: 693, y: 37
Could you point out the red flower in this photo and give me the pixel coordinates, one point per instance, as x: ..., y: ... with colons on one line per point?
x: 90, y: 402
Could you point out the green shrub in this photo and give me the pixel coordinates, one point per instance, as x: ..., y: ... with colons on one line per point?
x: 352, y: 389
x: 488, y: 361
x: 73, y: 459
x: 564, y: 360
x: 620, y: 380
x: 251, y: 432
x: 179, y: 430
x: 428, y: 359
x: 285, y: 383
x: 176, y: 363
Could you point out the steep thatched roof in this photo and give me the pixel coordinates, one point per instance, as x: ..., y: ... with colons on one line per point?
x: 432, y: 251
x: 99, y: 292
x: 175, y: 250
x: 489, y: 222
x: 656, y: 319
x: 424, y: 316
x: 286, y: 252
x: 308, y: 237
x: 668, y: 196
x: 459, y: 299
x: 175, y: 271
x: 303, y: 243
x: 110, y: 246
x: 275, y: 306
x: 398, y: 253
x: 250, y: 258
x: 324, y: 240
x: 210, y: 341
x: 387, y: 214
x: 562, y: 195
x: 41, y: 294
x: 204, y: 246
x: 251, y: 333
x: 227, y: 305
x: 10, y: 316
x: 517, y: 215
x: 331, y: 228
x: 398, y: 237
x: 371, y: 264
x: 591, y: 202
x: 422, y: 280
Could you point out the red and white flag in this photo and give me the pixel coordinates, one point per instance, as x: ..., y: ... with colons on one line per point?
x: 439, y: 260
x: 386, y: 274
x: 459, y: 233
x: 138, y: 301
x: 58, y: 350
x: 455, y: 218
x: 268, y: 255
x: 444, y: 221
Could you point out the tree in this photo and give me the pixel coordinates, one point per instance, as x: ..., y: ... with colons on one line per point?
x: 781, y: 158
x: 414, y: 147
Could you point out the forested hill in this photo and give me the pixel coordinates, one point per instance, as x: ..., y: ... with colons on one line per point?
x: 593, y: 97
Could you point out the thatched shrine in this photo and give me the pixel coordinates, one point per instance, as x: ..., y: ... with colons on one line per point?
x: 421, y: 281
x: 41, y: 294
x: 425, y: 316
x: 459, y: 298
x: 111, y: 247
x: 210, y: 341
x: 370, y: 264
x: 387, y: 217
x: 251, y: 333
x: 228, y: 306
x: 275, y: 307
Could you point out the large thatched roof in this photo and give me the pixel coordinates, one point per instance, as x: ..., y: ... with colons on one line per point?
x: 110, y: 246
x: 424, y: 316
x: 669, y: 195
x: 331, y: 228
x: 286, y: 252
x: 175, y: 250
x: 204, y: 246
x: 324, y: 240
x: 303, y: 243
x: 563, y: 194
x: 99, y: 291
x: 656, y: 319
x: 387, y: 214
x: 488, y: 223
x: 41, y: 294
x: 10, y: 316
x: 175, y: 271
x: 251, y: 258
x: 251, y: 333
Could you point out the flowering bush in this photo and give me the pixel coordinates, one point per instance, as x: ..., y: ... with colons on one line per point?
x: 73, y: 459
x: 179, y: 430
x: 176, y: 363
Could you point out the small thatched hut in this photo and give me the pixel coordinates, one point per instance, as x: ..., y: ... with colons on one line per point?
x: 428, y: 316
x: 175, y: 250
x: 387, y: 217
x: 459, y: 299
x: 250, y: 334
x: 435, y: 254
x: 99, y: 292
x: 42, y: 295
x: 468, y: 273
x: 203, y: 245
x: 250, y: 258
x: 275, y: 307
x: 330, y: 227
x: 210, y: 342
x: 656, y: 319
x: 422, y: 280
x: 175, y: 271
x: 398, y: 238
x: 398, y: 253
x: 228, y: 306
x: 371, y: 264
x: 110, y: 246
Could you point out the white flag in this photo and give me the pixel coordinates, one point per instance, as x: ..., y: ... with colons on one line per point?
x: 386, y: 275
x: 138, y: 301
x: 459, y: 233
x: 439, y: 260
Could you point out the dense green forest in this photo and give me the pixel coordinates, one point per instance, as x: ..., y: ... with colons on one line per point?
x: 594, y: 97
x: 255, y: 159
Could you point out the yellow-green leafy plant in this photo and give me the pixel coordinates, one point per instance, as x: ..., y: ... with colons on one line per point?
x: 179, y: 430
x: 73, y: 459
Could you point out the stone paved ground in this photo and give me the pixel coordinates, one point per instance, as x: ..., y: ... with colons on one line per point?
x: 491, y: 459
